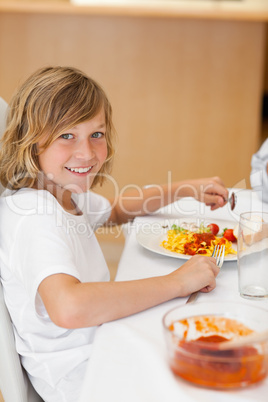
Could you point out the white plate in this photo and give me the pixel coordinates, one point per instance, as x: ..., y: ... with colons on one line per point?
x: 150, y: 236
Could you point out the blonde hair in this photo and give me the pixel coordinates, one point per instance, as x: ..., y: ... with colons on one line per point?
x: 51, y: 100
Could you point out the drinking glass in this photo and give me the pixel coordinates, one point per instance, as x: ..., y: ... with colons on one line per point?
x: 252, y: 258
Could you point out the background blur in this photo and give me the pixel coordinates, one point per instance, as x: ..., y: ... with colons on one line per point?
x: 188, y: 81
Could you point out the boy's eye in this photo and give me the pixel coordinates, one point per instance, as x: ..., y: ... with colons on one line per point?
x: 66, y: 136
x: 97, y: 135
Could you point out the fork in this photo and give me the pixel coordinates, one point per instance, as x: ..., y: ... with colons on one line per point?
x: 218, y: 253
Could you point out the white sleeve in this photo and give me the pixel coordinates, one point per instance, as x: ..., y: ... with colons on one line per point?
x: 41, y: 248
x: 258, y: 176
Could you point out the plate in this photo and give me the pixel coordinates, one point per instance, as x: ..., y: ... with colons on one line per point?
x: 150, y: 236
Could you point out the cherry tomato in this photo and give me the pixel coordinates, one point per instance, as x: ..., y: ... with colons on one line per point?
x: 229, y: 235
x: 214, y: 228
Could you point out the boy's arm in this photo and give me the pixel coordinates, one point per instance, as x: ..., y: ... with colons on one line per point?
x: 72, y: 304
x: 143, y: 201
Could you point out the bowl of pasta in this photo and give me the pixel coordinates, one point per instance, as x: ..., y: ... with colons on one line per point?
x: 195, y: 334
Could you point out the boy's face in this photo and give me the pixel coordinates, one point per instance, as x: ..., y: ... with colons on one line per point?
x: 76, y: 156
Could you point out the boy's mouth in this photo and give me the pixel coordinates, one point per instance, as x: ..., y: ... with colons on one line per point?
x: 80, y: 169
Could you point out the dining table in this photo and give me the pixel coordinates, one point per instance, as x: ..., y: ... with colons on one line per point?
x: 129, y: 361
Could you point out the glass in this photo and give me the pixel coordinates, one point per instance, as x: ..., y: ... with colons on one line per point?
x: 252, y: 255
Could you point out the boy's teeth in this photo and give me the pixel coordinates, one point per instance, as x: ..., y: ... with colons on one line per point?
x: 80, y: 170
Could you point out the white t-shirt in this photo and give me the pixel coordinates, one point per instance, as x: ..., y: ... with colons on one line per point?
x: 259, y: 176
x: 38, y: 238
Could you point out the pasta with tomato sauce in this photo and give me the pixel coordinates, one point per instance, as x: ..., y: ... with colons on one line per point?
x: 191, y: 243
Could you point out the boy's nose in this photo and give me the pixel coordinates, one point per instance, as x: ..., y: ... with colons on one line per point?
x: 84, y: 150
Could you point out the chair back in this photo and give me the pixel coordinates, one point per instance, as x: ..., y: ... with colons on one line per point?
x: 14, y: 383
x: 3, y: 115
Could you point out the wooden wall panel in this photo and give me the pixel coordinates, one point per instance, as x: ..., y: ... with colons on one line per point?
x: 186, y: 93
x: 266, y: 65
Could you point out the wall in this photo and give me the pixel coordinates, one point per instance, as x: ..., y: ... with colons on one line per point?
x: 186, y: 93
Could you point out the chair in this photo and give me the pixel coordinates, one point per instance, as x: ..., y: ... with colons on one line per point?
x: 14, y: 383
x: 3, y: 112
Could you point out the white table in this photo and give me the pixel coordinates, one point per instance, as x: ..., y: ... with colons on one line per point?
x: 129, y: 358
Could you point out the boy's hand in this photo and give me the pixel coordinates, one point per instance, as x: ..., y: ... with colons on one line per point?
x: 211, y: 191
x: 197, y: 274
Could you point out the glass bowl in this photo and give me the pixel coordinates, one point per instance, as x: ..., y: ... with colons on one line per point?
x: 202, y: 362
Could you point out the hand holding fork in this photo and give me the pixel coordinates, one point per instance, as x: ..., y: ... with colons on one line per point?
x: 219, y: 254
